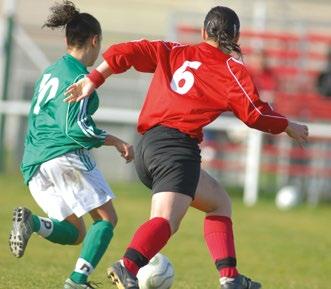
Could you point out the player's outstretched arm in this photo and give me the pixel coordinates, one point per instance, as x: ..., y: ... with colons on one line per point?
x: 125, y: 149
x: 85, y: 86
x: 299, y: 132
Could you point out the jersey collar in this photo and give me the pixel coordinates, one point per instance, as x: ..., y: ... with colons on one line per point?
x: 73, y: 60
x: 214, y: 50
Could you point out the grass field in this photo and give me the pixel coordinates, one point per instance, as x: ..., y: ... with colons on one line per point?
x: 284, y: 250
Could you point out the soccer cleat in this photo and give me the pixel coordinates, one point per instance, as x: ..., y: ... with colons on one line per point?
x: 69, y: 284
x: 22, y: 228
x: 121, y: 277
x: 238, y: 282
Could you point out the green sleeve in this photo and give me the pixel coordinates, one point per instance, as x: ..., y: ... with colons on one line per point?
x: 80, y: 127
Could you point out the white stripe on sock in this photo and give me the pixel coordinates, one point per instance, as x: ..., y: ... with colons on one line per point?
x: 46, y: 227
x: 83, y: 267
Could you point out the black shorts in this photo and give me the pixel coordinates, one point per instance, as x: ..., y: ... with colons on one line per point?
x: 168, y: 160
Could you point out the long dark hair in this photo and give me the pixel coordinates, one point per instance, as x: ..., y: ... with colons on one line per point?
x: 79, y: 27
x: 222, y: 25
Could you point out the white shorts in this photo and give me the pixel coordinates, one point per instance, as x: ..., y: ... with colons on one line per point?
x: 69, y: 184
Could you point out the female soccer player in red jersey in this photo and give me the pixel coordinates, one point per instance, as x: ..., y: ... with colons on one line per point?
x: 192, y: 85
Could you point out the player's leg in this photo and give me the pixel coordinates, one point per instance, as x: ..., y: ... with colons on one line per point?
x: 54, y: 187
x: 89, y: 193
x: 168, y: 162
x: 51, y: 192
x: 70, y: 231
x: 212, y: 199
x: 62, y: 228
x: 95, y: 243
x: 167, y: 211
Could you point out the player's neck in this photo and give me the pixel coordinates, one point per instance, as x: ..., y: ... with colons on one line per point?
x: 80, y: 55
x: 212, y: 43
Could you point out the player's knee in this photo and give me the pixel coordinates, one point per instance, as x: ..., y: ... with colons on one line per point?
x: 81, y: 235
x: 223, y: 204
x: 174, y: 226
x: 223, y: 207
x: 114, y: 220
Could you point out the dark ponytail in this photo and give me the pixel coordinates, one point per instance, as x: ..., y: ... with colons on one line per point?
x: 79, y: 27
x: 222, y: 25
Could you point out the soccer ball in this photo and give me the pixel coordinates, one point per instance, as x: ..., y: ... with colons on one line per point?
x: 157, y: 274
x: 287, y: 197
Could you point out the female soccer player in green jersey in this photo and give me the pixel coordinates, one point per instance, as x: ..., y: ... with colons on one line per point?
x: 57, y: 166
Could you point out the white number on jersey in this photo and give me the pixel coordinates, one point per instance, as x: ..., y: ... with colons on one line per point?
x: 47, y: 84
x: 187, y: 76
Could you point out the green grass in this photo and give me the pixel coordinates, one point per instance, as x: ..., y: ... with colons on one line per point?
x: 284, y: 250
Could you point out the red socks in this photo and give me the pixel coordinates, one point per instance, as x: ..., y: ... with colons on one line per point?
x: 148, y: 240
x: 153, y: 235
x: 219, y: 238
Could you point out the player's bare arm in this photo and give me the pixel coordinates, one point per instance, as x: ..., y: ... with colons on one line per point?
x: 125, y: 149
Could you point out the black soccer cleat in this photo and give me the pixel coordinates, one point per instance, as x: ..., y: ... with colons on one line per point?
x: 22, y: 229
x: 239, y: 282
x: 121, y: 277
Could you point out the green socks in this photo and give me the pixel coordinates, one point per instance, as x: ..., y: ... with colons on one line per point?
x: 94, y: 246
x: 55, y: 231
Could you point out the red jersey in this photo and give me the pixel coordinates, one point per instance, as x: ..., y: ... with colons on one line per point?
x: 192, y: 85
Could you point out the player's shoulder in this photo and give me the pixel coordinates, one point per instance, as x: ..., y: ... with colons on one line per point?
x: 66, y: 68
x: 158, y: 43
x: 235, y: 62
x: 235, y: 65
x: 62, y: 73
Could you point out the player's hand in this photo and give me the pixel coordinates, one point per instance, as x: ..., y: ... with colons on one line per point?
x: 299, y: 132
x: 125, y: 149
x: 79, y: 90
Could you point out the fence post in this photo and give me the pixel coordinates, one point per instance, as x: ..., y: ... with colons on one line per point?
x: 9, y: 11
x: 252, y: 174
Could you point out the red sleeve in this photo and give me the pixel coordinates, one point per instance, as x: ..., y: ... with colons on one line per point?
x: 142, y: 55
x: 245, y: 102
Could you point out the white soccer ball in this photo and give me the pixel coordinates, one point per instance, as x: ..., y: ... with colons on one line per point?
x: 157, y: 274
x: 288, y: 197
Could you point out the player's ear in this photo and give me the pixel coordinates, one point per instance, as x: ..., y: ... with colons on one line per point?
x: 95, y: 40
x: 204, y: 34
x: 236, y: 39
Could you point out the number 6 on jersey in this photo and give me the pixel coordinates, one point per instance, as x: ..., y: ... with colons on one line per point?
x: 187, y: 76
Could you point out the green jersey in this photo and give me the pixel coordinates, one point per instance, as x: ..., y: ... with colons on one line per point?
x: 56, y: 127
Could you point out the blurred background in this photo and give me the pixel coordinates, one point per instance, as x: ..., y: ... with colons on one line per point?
x: 287, y: 48
x: 286, y: 45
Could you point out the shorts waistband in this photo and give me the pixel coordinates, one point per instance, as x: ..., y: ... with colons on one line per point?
x: 161, y: 128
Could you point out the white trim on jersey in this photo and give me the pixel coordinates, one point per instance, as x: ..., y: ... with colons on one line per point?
x: 245, y: 92
x: 87, y: 130
x: 67, y: 116
x: 66, y: 131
